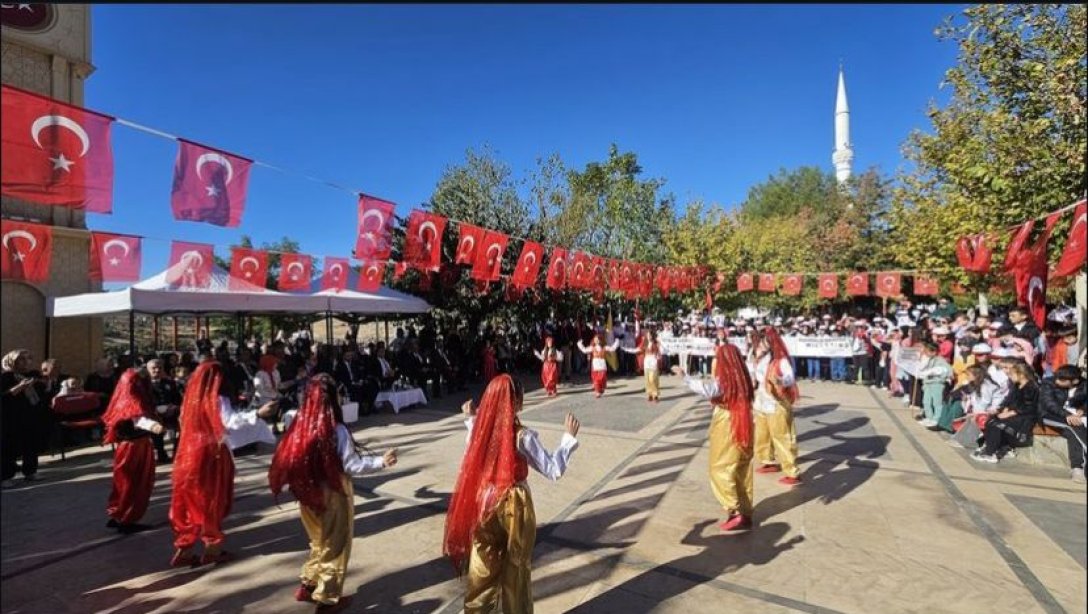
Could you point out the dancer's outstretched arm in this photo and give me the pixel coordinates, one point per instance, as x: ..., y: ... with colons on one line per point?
x: 708, y: 389
x: 356, y: 464
x: 551, y: 465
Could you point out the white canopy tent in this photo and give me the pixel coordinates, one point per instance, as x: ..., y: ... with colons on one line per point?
x: 383, y: 300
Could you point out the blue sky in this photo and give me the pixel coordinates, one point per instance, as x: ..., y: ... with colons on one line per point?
x: 383, y: 98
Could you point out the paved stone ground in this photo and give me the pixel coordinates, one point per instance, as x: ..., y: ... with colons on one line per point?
x: 889, y: 519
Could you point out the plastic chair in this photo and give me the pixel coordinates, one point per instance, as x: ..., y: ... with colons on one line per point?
x: 76, y: 412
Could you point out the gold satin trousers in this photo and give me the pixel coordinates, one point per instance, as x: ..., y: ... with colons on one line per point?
x: 330, y: 535
x: 730, y: 466
x: 776, y: 439
x: 500, y: 564
x: 653, y: 382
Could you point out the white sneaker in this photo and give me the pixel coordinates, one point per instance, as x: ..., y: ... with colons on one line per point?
x: 984, y: 458
x: 1077, y: 475
x: 928, y: 423
x: 7, y: 484
x: 1010, y: 454
x: 955, y: 444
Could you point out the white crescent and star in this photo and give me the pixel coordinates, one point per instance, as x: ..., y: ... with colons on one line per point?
x: 215, y: 158
x: 492, y: 253
x: 372, y: 271
x: 291, y: 267
x: 60, y: 162
x: 336, y: 270
x: 256, y: 265
x: 364, y: 231
x: 434, y: 233
x: 529, y: 260
x: 1034, y: 284
x: 20, y: 234
x: 467, y: 243
x: 114, y: 261
x: 188, y: 258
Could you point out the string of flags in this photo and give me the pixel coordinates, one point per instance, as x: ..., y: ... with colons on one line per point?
x: 54, y: 153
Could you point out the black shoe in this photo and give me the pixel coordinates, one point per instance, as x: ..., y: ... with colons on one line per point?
x: 128, y: 529
x: 112, y: 524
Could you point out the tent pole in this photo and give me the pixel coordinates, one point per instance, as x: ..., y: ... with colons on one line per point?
x: 155, y: 322
x: 387, y: 333
x: 175, y: 319
x: 48, y: 337
x: 328, y: 327
x: 132, y: 336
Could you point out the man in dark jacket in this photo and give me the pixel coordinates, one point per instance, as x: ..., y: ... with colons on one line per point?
x: 1062, y: 406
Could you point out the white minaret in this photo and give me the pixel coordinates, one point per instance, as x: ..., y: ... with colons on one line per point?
x: 844, y: 151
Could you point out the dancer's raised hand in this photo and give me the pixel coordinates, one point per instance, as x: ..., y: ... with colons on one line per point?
x: 468, y: 408
x: 572, y: 425
x: 390, y: 458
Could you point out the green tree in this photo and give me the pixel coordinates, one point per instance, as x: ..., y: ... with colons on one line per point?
x: 1008, y: 145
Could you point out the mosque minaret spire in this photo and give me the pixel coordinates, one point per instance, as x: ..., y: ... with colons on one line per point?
x: 844, y: 150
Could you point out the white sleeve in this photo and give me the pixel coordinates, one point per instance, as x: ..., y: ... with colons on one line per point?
x: 708, y: 389
x: 539, y: 355
x: 354, y: 464
x: 615, y: 344
x: 243, y: 427
x: 787, y: 373
x: 558, y: 356
x: 145, y: 424
x: 550, y: 465
x: 468, y: 425
x: 582, y: 347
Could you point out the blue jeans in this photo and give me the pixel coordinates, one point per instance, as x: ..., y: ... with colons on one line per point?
x: 813, y: 368
x: 838, y: 369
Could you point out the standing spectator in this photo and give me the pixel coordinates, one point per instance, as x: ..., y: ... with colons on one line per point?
x: 203, y: 344
x: 21, y: 417
x: 945, y: 308
x: 166, y: 395
x: 51, y: 381
x: 1062, y: 405
x: 935, y: 372
x: 1012, y: 425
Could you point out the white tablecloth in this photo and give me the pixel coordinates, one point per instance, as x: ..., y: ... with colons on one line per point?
x: 401, y: 398
x: 351, y: 415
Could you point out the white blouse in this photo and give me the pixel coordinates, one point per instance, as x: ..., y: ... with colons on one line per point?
x: 266, y: 387
x: 551, y: 465
x: 355, y: 464
x: 765, y: 402
x: 243, y: 427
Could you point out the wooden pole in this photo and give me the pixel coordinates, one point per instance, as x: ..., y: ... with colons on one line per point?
x: 175, y: 319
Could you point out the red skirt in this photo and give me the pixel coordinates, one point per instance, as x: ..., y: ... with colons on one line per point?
x: 600, y: 380
x: 133, y: 480
x: 549, y: 376
x: 199, y: 506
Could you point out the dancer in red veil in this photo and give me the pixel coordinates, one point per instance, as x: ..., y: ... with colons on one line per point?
x: 317, y: 459
x: 129, y: 424
x: 776, y: 393
x: 204, y: 466
x: 491, y: 524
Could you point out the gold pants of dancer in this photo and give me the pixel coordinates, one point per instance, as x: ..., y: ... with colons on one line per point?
x: 776, y: 439
x: 653, y: 381
x: 730, y: 466
x: 499, y: 566
x: 330, y: 535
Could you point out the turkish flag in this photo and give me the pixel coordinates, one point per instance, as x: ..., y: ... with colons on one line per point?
x: 887, y: 284
x: 613, y: 267
x: 373, y: 241
x: 399, y: 269
x: 766, y: 282
x: 209, y: 185
x: 857, y: 284
x: 829, y: 285
x: 115, y: 257
x: 791, y: 285
x: 719, y: 279
x: 1073, y: 256
x: 371, y: 275
x: 662, y: 281
x: 580, y: 268
x: 647, y: 283
x: 295, y: 273
x: 1030, y: 272
x: 487, y: 265
x: 248, y: 268
x: 335, y: 275
x: 53, y: 153
x: 27, y: 251
x: 557, y: 269
x: 744, y: 282
x: 470, y: 238
x: 598, y: 276
x: 973, y: 254
x: 190, y: 264
x: 1016, y: 245
x: 925, y: 286
x: 423, y: 240
x: 528, y: 266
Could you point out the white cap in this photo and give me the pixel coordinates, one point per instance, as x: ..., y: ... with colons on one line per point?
x: 1002, y: 353
x: 981, y: 348
x: 941, y: 330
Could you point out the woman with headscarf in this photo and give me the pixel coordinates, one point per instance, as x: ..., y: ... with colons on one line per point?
x: 316, y: 460
x: 549, y: 373
x: 21, y: 417
x: 776, y: 393
x: 130, y: 421
x: 491, y: 524
x: 204, y: 466
x: 730, y: 392
x: 649, y: 354
x: 598, y: 361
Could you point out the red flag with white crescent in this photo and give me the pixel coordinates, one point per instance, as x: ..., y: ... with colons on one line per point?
x: 54, y: 153
x: 887, y: 284
x: 598, y: 276
x: 1016, y: 244
x: 190, y: 264
x: 371, y: 275
x: 295, y: 272
x: 974, y: 254
x: 469, y: 239
x: 791, y: 285
x: 115, y: 257
x: 209, y: 185
x: 528, y: 266
x: 557, y: 269
x: 767, y: 282
x: 925, y: 286
x: 488, y: 263
x: 399, y: 269
x: 248, y: 267
x: 744, y: 282
x: 27, y: 251
x: 335, y: 275
x: 423, y: 240
x: 829, y: 285
x: 857, y: 284
x: 1076, y: 246
x: 1030, y: 270
x: 374, y: 235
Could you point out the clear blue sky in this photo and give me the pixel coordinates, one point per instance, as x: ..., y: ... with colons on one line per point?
x: 382, y: 99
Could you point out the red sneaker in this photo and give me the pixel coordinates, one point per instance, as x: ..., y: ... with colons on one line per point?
x: 768, y: 469
x: 304, y: 593
x: 789, y: 481
x: 736, y: 522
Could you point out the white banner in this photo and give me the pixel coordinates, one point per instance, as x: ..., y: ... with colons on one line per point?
x: 909, y: 361
x: 815, y: 347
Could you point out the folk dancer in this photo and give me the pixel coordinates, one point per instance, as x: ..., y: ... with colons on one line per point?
x: 130, y: 423
x: 549, y: 373
x: 491, y: 524
x: 649, y: 355
x: 598, y: 363
x: 776, y: 393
